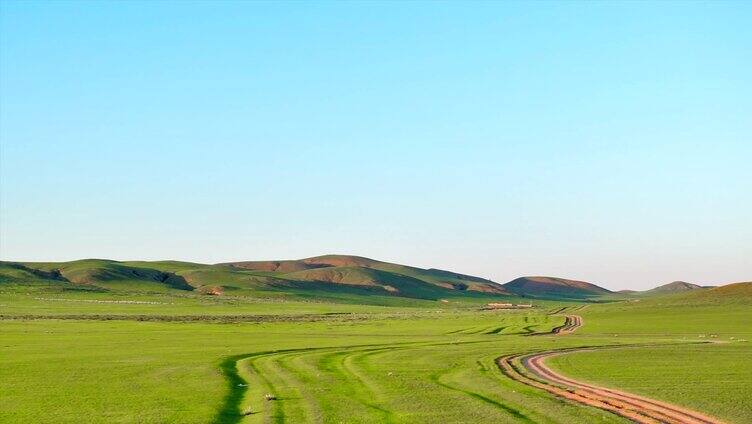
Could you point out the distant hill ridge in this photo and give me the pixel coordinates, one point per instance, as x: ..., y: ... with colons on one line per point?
x: 675, y: 287
x: 738, y: 290
x: 330, y: 275
x: 553, y: 287
x: 740, y: 293
x: 361, y: 271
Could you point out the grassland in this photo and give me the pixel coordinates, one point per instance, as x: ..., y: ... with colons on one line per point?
x: 688, y: 374
x: 681, y: 374
x: 409, y: 370
x: 418, y: 362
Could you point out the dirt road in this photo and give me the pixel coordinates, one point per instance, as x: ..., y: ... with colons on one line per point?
x: 571, y: 324
x: 531, y: 369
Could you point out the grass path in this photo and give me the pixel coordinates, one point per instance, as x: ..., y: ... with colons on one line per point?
x: 338, y: 383
x: 296, y: 402
x: 271, y: 373
x: 304, y: 381
x: 292, y: 375
x: 440, y: 379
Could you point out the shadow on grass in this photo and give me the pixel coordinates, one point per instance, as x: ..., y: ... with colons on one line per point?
x: 436, y: 378
x: 230, y: 411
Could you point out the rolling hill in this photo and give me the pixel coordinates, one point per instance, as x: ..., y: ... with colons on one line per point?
x: 674, y: 287
x: 726, y: 294
x: 343, y: 277
x: 96, y: 273
x: 341, y: 274
x: 360, y: 271
x: 554, y: 288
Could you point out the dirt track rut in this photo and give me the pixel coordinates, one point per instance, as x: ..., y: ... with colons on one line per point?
x: 530, y: 369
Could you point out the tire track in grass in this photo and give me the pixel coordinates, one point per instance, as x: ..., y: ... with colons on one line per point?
x: 281, y: 374
x: 270, y: 412
x: 349, y: 364
x: 230, y: 412
x: 469, y: 330
x: 371, y: 396
x: 460, y: 330
x: 310, y: 409
x: 311, y: 375
x: 270, y: 382
x: 480, y: 330
x: 528, y: 329
x: 570, y: 325
x: 331, y: 362
x: 280, y: 409
x: 436, y: 378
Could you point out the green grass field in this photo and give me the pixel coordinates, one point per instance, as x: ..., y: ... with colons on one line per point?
x: 408, y: 369
x: 683, y: 375
x: 414, y: 362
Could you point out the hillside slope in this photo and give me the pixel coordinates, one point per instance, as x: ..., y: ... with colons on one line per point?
x: 673, y: 287
x: 99, y: 273
x: 729, y: 293
x: 331, y: 275
x: 342, y: 269
x: 554, y: 288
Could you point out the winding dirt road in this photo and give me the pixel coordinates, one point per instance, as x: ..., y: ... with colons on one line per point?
x: 530, y: 369
x: 571, y: 324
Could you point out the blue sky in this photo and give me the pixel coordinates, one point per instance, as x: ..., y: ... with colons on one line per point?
x: 606, y: 141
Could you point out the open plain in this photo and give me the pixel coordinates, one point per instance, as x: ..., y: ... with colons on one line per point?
x: 77, y: 354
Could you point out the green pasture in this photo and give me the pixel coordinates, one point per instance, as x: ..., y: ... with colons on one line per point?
x: 421, y: 363
x: 714, y: 378
x: 427, y: 368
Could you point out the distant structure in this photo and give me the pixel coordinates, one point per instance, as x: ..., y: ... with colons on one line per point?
x: 497, y: 305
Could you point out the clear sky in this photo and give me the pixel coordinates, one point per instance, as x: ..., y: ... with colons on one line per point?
x: 604, y: 141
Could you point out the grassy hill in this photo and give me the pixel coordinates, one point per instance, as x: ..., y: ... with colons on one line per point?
x: 345, y: 269
x: 331, y: 276
x: 686, y: 294
x: 734, y: 293
x: 93, y: 273
x: 554, y: 288
x: 340, y: 278
x: 674, y: 287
